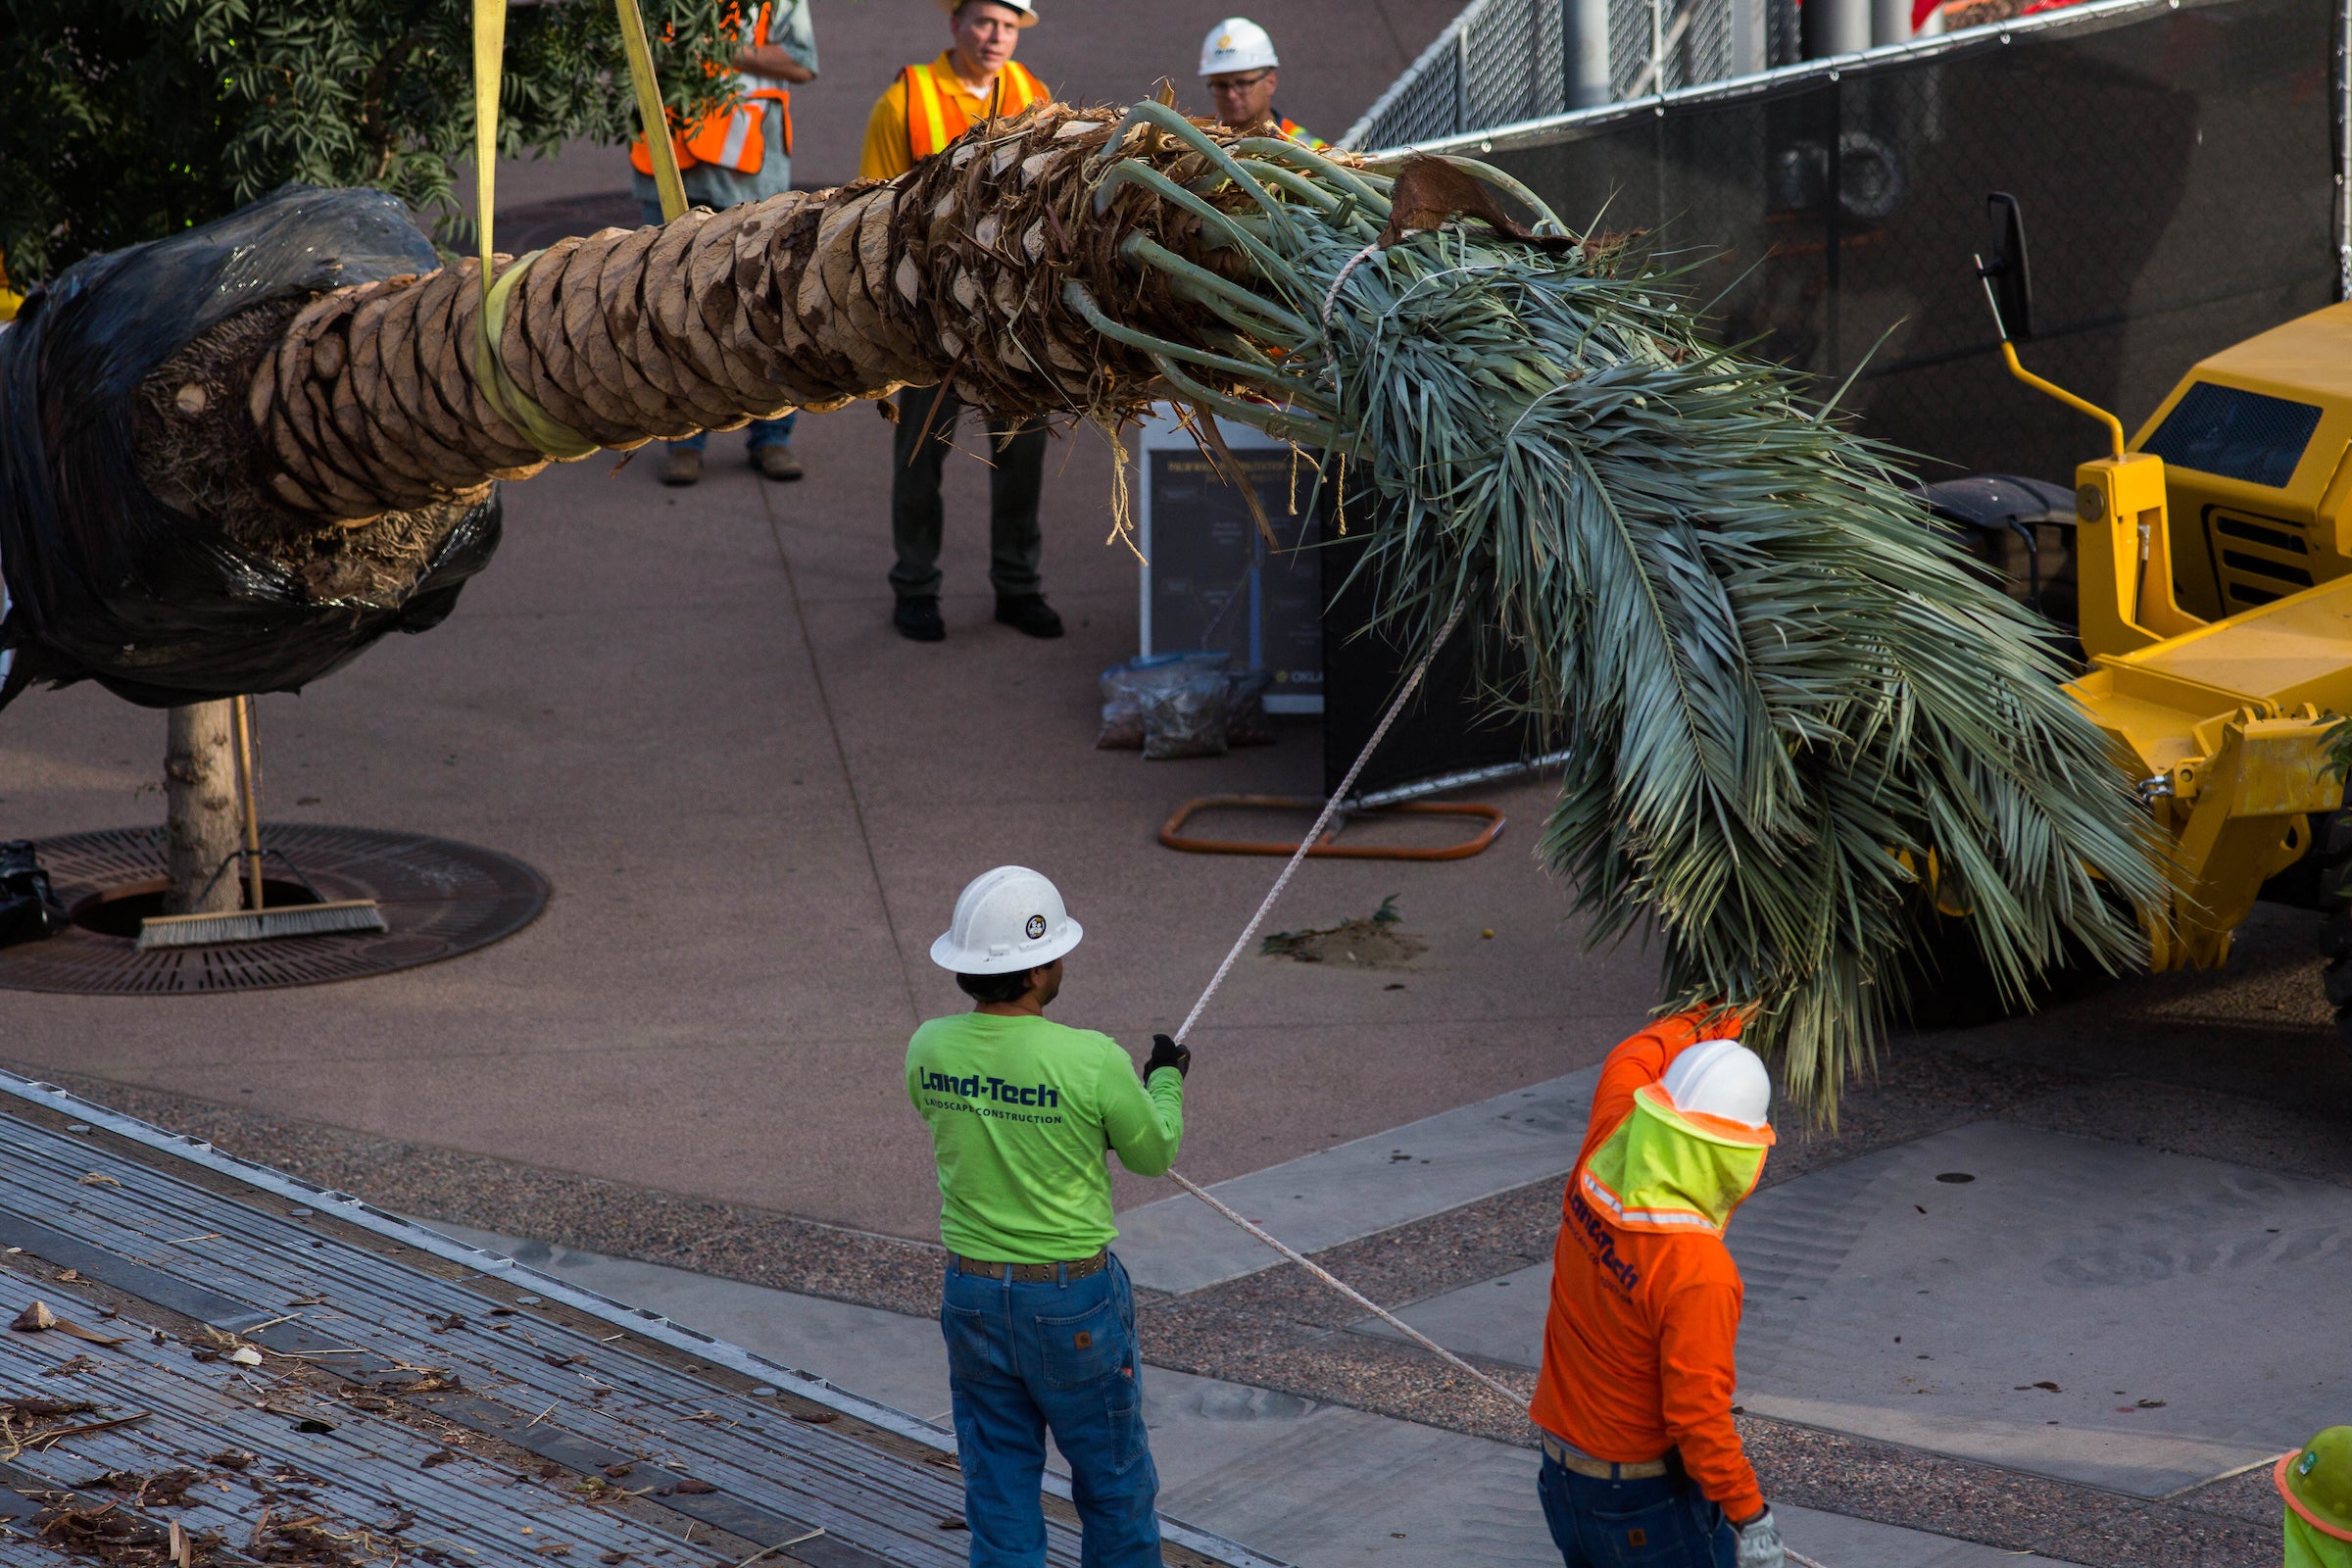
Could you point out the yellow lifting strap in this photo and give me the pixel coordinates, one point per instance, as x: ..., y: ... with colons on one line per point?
x: 518, y: 408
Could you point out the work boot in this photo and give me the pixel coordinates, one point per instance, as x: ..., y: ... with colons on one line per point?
x: 1029, y: 614
x: 776, y: 460
x: 917, y: 619
x: 681, y: 465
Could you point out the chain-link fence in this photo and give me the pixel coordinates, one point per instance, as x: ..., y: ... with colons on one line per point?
x: 2176, y: 162
x: 1503, y: 62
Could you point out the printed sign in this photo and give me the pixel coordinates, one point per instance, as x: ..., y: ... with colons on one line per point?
x: 1210, y: 580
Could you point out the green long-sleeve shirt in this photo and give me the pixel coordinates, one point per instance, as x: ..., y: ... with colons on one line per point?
x: 1020, y: 1112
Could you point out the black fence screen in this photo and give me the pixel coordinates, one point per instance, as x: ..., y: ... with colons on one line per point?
x: 2176, y: 167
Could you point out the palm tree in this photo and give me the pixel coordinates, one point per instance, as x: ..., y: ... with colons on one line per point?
x: 1788, y: 705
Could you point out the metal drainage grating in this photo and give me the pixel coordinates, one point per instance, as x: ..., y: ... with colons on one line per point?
x: 440, y: 898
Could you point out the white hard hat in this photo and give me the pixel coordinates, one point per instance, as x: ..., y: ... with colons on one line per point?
x: 1028, y: 14
x: 1721, y: 1078
x: 1235, y: 44
x: 1006, y: 920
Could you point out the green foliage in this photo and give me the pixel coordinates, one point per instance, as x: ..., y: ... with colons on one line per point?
x: 131, y: 118
x: 2339, y: 744
x: 1780, y: 689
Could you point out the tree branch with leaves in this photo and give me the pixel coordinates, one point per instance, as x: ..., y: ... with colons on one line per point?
x: 129, y: 120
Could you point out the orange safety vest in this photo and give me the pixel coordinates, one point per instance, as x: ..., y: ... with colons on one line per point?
x: 935, y: 119
x: 731, y: 138
x: 1291, y: 131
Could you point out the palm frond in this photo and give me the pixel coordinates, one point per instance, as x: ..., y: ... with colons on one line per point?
x: 1783, y: 693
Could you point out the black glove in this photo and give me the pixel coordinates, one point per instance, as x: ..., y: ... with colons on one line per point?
x: 1166, y: 1052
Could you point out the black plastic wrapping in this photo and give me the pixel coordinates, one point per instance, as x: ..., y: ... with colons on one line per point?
x: 29, y: 909
x: 105, y: 583
x: 2176, y: 168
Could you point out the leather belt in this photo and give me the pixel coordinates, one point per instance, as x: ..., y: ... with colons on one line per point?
x: 1579, y: 1462
x: 1032, y: 1273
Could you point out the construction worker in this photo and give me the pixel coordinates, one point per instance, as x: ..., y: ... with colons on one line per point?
x: 1037, y: 1315
x: 2316, y: 1480
x: 925, y: 109
x: 1237, y: 61
x: 1634, y: 1399
x: 742, y: 153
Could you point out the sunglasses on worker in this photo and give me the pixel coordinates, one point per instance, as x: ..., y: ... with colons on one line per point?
x: 1233, y: 84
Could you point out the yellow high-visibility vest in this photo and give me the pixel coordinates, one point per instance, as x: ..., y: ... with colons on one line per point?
x: 934, y: 118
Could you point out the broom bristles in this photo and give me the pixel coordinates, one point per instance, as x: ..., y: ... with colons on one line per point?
x: 260, y: 925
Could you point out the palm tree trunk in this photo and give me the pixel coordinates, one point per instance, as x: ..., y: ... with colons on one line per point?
x: 371, y: 401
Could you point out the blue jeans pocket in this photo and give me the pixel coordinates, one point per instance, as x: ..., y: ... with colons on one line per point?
x: 1124, y: 1403
x: 1660, y: 1536
x: 1081, y: 1349
x: 965, y: 1330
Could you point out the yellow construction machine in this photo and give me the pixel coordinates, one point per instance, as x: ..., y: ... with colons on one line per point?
x: 2212, y: 566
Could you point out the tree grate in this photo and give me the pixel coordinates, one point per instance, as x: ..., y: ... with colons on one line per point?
x: 440, y: 898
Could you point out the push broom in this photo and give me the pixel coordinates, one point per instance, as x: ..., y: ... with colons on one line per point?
x: 257, y: 922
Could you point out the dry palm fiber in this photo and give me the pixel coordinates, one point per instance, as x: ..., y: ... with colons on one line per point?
x: 1783, y: 694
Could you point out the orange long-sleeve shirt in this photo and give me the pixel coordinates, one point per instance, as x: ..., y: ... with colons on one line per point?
x: 1640, y: 1341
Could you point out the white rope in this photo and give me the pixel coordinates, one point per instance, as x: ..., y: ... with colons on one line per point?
x: 1240, y: 943
x: 1331, y: 296
x: 1509, y: 1396
x: 1315, y: 833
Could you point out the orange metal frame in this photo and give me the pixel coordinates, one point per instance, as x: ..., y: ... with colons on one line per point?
x: 1172, y: 835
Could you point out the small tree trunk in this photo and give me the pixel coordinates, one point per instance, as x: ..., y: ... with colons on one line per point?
x: 200, y: 792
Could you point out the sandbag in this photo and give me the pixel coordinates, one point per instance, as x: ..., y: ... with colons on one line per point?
x: 99, y: 580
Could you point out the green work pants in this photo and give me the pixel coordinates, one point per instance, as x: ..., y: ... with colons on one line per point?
x: 1015, y: 545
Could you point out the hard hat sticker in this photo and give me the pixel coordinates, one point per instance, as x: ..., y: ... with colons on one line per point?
x: 1035, y: 926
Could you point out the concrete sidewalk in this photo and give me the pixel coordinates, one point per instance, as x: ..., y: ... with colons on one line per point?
x: 1358, y: 1188
x: 756, y: 805
x: 2018, y: 1298
x: 1320, y: 1485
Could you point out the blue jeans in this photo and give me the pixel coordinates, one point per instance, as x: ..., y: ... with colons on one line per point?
x: 1024, y: 1358
x: 1656, y: 1522
x: 756, y: 434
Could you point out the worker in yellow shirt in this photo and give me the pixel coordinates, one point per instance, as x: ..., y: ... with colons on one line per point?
x: 925, y: 109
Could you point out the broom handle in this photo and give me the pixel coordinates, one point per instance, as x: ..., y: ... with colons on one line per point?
x: 250, y: 801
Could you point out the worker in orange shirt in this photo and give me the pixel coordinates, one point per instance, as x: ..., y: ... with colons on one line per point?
x: 925, y: 109
x: 1640, y: 1460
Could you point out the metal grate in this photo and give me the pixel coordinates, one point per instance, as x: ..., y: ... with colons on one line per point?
x: 440, y: 898
x: 164, y: 1228
x: 2238, y: 434
x: 304, y: 1293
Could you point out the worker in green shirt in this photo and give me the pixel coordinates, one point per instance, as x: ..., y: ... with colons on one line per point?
x: 1037, y: 1315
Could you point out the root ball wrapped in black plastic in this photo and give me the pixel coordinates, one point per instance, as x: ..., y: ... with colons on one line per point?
x: 171, y: 582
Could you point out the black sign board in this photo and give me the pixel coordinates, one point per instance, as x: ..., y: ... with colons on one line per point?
x: 1211, y: 580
